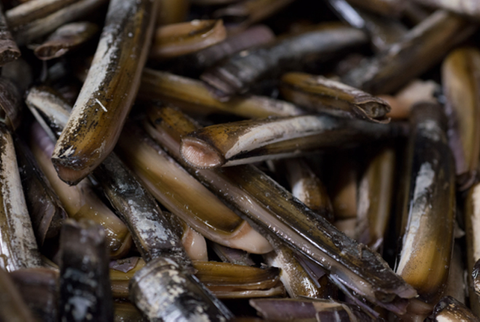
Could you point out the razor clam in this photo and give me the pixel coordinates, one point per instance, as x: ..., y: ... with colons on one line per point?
x: 84, y: 283
x: 383, y: 31
x: 224, y: 280
x: 375, y: 198
x: 472, y: 224
x: 241, y: 71
x: 187, y: 37
x: 172, y: 11
x: 294, y: 277
x: 451, y: 310
x: 33, y: 10
x: 322, y: 94
x: 192, y: 95
x: 240, y: 16
x: 18, y: 247
x: 45, y: 209
x: 163, y: 292
x: 307, y: 187
x: 11, y: 107
x: 461, y: 86
x: 254, y: 36
x: 469, y: 8
x: 275, y: 138
x: 232, y: 255
x: 8, y: 48
x: 38, y: 288
x: 66, y: 38
x: 228, y: 281
x: 429, y: 204
x: 308, y: 310
x: 422, y: 47
x: 152, y: 231
x: 108, y: 92
x: 184, y: 196
x: 270, y: 207
x: 31, y: 23
x: 12, y: 306
x: 80, y: 201
x: 126, y: 312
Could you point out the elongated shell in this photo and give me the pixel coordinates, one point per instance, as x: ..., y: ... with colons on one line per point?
x: 84, y: 282
x: 233, y: 275
x: 231, y: 281
x: 450, y: 310
x: 255, y: 140
x: 422, y: 47
x: 187, y: 37
x: 461, y: 84
x: 242, y: 70
x: 184, y: 196
x: 81, y: 201
x: 151, y: 231
x: 108, y: 92
x: 37, y: 23
x: 44, y: 206
x: 194, y: 96
x: 375, y: 199
x: 66, y: 38
x: 32, y: 10
x: 254, y: 36
x: 163, y: 292
x: 430, y: 196
x: 307, y: 187
x: 271, y: 208
x: 18, y: 247
x: 320, y: 93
